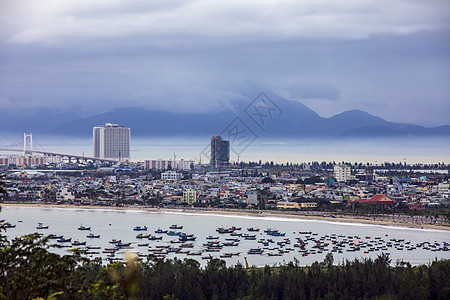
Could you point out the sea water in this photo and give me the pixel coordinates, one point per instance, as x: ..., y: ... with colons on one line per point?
x: 119, y: 224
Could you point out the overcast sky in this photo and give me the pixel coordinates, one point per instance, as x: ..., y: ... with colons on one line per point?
x: 390, y: 58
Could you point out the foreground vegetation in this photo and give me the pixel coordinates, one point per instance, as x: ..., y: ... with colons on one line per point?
x: 28, y: 270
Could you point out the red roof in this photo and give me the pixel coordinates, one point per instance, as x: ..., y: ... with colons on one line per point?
x: 378, y: 199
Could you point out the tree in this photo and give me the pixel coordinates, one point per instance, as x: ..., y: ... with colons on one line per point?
x: 2, y: 190
x: 267, y: 180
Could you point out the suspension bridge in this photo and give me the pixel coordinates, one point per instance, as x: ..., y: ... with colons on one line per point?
x: 29, y: 149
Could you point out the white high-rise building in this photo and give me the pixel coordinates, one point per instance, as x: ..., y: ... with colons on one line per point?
x: 342, y: 173
x: 111, y: 141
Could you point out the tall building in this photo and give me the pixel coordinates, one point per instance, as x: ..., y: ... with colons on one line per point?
x: 220, y: 152
x: 111, y: 141
x: 342, y: 173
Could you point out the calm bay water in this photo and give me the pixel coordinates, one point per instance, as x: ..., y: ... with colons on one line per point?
x: 119, y: 224
x: 281, y: 150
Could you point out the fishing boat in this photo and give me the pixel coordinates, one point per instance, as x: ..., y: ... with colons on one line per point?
x: 255, y: 251
x: 253, y: 229
x: 122, y: 245
x: 230, y: 244
x: 210, y: 237
x: 64, y: 240
x: 84, y: 228
x: 41, y: 226
x: 142, y: 236
x: 78, y: 243
x: 175, y: 227
x: 143, y: 244
x: 174, y: 233
x: 154, y: 238
x: 55, y: 237
x: 159, y: 230
x: 9, y: 225
x: 93, y: 236
x: 114, y: 241
x: 187, y: 238
x: 140, y: 228
x: 224, y: 230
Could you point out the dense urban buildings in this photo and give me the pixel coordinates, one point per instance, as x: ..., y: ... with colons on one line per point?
x: 111, y: 141
x: 220, y: 152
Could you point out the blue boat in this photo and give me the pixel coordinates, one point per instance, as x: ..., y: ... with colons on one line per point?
x: 55, y: 237
x: 160, y: 231
x: 253, y: 229
x: 93, y: 236
x: 84, y: 228
x: 187, y: 238
x: 64, y: 240
x: 78, y: 243
x: 255, y: 251
x: 174, y: 233
x: 140, y: 228
x: 175, y: 227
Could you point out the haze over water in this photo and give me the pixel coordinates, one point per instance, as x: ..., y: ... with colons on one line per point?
x: 409, y: 150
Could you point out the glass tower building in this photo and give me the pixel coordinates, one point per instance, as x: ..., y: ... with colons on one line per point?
x: 220, y: 152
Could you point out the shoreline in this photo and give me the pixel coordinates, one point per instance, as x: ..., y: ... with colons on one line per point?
x: 344, y: 219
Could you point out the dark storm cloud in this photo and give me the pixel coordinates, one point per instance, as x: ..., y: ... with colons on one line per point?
x: 390, y: 58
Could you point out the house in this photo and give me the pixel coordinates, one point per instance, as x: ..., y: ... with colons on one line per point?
x: 378, y: 199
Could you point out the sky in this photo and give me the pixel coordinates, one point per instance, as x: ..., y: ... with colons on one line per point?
x: 389, y: 58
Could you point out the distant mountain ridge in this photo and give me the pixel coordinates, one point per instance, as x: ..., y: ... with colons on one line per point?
x: 296, y: 120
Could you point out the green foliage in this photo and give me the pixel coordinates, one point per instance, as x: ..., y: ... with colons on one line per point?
x: 2, y: 189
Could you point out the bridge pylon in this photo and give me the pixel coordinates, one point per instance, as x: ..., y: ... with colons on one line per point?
x: 25, y: 138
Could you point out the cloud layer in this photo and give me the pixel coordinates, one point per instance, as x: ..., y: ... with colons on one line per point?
x: 390, y: 58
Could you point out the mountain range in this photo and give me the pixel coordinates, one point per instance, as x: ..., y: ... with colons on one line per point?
x: 289, y: 119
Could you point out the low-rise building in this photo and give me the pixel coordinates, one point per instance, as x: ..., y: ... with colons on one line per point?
x: 190, y: 196
x: 287, y: 205
x: 171, y: 175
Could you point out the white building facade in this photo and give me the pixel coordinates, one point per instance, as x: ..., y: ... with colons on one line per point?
x: 342, y: 173
x: 169, y: 164
x: 171, y: 175
x: 111, y: 141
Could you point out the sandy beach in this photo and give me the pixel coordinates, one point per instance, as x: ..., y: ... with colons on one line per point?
x: 336, y: 218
